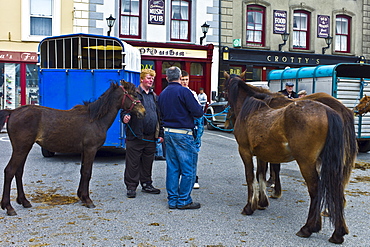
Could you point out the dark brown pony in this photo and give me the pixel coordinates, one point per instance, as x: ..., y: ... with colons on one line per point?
x: 314, y: 137
x: 81, y: 129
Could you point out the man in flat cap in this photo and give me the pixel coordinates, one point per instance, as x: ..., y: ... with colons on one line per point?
x: 288, y: 91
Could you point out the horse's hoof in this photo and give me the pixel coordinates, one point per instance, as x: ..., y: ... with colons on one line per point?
x: 11, y: 212
x: 335, y: 240
x: 90, y: 205
x: 247, y: 211
x: 26, y: 204
x: 303, y: 233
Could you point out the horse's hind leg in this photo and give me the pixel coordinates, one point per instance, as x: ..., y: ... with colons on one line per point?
x: 275, y: 170
x: 261, y: 177
x: 21, y: 198
x: 251, y: 182
x: 14, y: 167
x: 86, y: 171
x: 313, y: 223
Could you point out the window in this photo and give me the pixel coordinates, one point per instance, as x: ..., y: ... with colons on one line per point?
x: 41, y: 17
x: 130, y: 22
x: 301, y: 30
x: 180, y: 20
x: 342, y: 33
x: 255, y: 25
x: 196, y: 69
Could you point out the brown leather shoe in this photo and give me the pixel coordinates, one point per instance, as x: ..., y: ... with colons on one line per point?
x: 193, y: 205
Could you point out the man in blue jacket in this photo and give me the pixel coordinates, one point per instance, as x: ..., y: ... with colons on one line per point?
x: 178, y: 108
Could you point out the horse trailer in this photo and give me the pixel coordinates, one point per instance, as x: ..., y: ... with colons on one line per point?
x: 348, y: 82
x: 80, y: 67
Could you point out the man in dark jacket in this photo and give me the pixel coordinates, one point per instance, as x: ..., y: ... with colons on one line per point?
x: 288, y: 91
x: 142, y: 135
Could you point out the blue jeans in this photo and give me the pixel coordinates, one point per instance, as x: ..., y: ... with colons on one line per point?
x: 181, y: 159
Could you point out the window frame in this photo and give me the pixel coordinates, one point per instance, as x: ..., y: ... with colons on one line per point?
x: 301, y: 30
x: 188, y: 38
x: 140, y: 21
x: 26, y: 21
x: 263, y: 26
x: 348, y: 35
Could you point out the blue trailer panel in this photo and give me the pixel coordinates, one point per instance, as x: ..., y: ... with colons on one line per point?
x: 80, y: 67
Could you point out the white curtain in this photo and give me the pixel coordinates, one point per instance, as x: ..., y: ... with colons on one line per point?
x: 41, y: 13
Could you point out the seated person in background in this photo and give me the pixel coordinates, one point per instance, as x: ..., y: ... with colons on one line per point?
x: 302, y: 93
x: 288, y: 91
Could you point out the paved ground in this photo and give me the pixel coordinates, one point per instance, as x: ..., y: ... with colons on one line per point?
x: 57, y: 218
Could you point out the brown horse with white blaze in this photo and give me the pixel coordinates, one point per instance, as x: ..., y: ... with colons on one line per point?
x: 81, y: 129
x: 314, y: 138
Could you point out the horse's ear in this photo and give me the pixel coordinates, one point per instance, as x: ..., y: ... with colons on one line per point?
x: 242, y: 75
x: 226, y: 75
x: 124, y: 83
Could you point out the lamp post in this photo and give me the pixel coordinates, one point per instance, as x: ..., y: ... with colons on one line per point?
x: 110, y: 23
x: 285, y: 37
x: 328, y: 41
x: 205, y: 28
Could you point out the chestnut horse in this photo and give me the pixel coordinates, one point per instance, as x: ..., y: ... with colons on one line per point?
x: 307, y: 131
x: 363, y: 106
x: 81, y: 129
x: 277, y: 100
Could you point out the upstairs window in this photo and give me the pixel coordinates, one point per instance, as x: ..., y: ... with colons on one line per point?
x: 301, y: 30
x: 255, y: 25
x: 342, y: 33
x: 180, y: 20
x: 130, y: 22
x: 41, y: 17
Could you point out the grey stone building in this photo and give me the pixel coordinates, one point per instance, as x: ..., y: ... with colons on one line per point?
x: 259, y: 36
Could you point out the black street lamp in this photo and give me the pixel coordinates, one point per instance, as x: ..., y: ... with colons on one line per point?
x: 285, y: 37
x: 205, y: 28
x: 110, y: 23
x: 328, y: 41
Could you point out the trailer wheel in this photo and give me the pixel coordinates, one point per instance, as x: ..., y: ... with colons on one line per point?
x: 363, y: 146
x: 47, y: 153
x: 210, y: 125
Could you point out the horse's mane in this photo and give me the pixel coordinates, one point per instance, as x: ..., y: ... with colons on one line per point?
x: 235, y: 83
x: 100, y: 107
x: 250, y: 105
x: 255, y: 99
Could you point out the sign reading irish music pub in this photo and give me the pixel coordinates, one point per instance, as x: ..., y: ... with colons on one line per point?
x: 156, y: 12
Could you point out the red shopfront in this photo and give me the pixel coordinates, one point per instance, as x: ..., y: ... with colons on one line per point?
x: 18, y: 79
x: 195, y: 59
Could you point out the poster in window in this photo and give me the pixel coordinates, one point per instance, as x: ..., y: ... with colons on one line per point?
x: 323, y: 26
x: 280, y: 20
x: 156, y: 12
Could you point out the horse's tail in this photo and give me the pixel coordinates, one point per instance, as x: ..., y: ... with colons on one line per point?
x: 4, y: 114
x: 331, y: 184
x: 350, y: 144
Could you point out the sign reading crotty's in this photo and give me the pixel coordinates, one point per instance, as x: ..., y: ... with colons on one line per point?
x: 156, y: 12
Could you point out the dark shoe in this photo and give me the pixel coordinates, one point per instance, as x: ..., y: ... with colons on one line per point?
x: 172, y: 207
x: 150, y: 189
x: 131, y: 193
x: 193, y: 205
x: 159, y: 158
